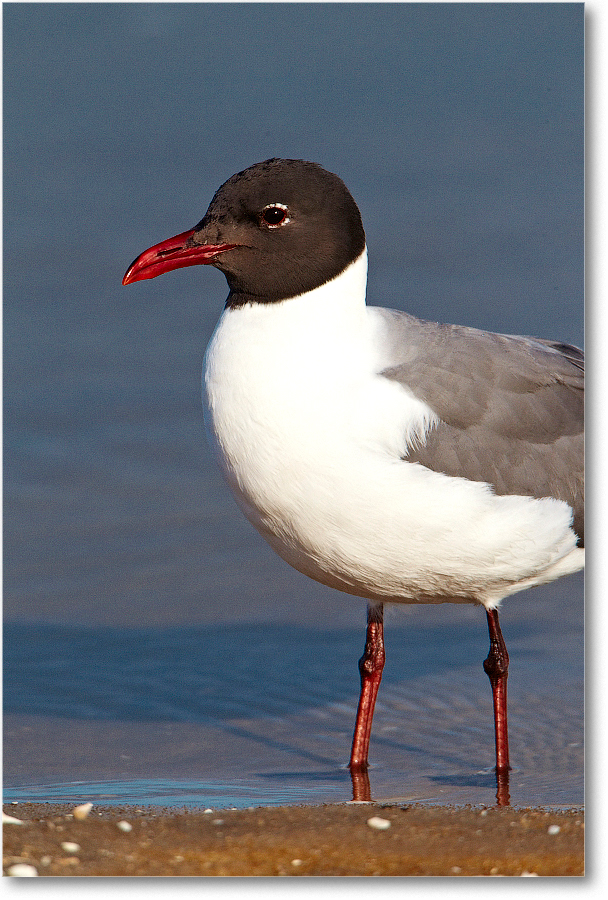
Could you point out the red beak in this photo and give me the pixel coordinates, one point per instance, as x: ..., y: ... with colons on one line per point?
x: 174, y: 253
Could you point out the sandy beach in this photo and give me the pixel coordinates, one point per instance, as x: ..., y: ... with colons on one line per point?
x: 341, y: 839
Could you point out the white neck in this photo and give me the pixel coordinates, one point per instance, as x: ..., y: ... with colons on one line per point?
x: 329, y: 310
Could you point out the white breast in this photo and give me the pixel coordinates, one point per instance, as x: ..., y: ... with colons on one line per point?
x: 311, y: 438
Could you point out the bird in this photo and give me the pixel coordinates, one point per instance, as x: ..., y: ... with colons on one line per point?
x: 396, y: 459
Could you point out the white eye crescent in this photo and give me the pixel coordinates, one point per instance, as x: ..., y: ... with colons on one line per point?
x: 274, y: 215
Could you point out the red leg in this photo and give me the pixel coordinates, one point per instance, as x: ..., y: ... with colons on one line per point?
x: 496, y: 667
x: 370, y: 667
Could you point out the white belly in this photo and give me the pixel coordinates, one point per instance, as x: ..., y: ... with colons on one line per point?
x: 310, y: 439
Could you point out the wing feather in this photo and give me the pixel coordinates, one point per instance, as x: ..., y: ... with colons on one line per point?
x: 510, y: 408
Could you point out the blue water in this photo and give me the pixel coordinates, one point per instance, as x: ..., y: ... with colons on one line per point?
x: 242, y: 715
x: 155, y: 648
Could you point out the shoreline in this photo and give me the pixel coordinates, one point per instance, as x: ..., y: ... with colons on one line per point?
x: 335, y: 839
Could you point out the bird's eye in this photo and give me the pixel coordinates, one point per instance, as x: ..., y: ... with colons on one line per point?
x: 274, y: 215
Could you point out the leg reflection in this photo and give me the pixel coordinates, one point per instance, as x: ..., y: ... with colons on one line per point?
x: 361, y: 787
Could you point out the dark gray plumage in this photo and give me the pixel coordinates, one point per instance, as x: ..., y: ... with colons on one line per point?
x: 511, y: 408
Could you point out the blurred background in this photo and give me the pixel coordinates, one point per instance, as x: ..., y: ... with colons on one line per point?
x: 459, y: 130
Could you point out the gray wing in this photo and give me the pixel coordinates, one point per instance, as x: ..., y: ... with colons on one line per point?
x: 511, y: 408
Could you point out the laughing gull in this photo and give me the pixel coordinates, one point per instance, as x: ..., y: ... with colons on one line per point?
x: 392, y: 458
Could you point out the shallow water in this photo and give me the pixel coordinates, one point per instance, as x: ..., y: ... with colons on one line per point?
x: 263, y: 714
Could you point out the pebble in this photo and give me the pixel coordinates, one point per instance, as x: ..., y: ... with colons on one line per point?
x: 70, y: 847
x: 10, y: 820
x: 124, y: 826
x: 554, y: 829
x: 378, y: 823
x: 82, y: 811
x: 296, y: 862
x: 22, y: 870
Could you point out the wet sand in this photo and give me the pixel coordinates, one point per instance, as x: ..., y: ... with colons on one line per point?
x: 296, y: 841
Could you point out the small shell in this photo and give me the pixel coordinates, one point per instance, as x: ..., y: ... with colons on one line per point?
x: 124, y: 826
x: 378, y: 823
x: 22, y: 870
x: 10, y: 820
x: 82, y: 811
x: 70, y: 846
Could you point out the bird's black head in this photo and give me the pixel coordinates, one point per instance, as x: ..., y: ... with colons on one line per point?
x: 277, y: 229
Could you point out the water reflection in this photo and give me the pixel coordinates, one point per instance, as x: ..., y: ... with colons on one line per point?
x: 186, y: 706
x: 362, y: 785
